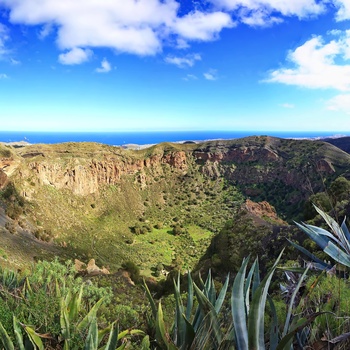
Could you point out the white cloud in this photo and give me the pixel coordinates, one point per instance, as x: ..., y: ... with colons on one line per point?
x: 343, y: 9
x: 15, y: 62
x: 182, y: 44
x: 189, y: 77
x: 287, y: 105
x: 183, y: 62
x: 202, y: 26
x: 75, y: 56
x: 143, y: 27
x: 268, y: 12
x: 211, y: 74
x: 300, y: 8
x: 3, y: 76
x: 138, y: 27
x: 259, y: 17
x: 3, y: 38
x: 317, y: 64
x: 105, y: 67
x: 45, y: 31
x: 340, y: 103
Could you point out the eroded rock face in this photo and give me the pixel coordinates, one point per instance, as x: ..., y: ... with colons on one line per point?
x: 263, y: 210
x: 3, y: 179
x: 238, y: 155
x: 84, y: 177
x: 256, y: 161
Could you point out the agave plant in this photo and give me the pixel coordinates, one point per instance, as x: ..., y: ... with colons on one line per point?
x: 73, y: 327
x: 335, y: 243
x: 203, y: 330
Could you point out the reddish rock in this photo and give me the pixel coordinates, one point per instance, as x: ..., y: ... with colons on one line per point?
x: 263, y: 210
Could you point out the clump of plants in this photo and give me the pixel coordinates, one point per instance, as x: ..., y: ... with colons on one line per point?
x: 50, y: 307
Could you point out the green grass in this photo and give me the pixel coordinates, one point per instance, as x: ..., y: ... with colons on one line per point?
x: 161, y: 246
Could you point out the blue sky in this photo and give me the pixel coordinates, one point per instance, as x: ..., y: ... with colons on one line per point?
x: 125, y: 65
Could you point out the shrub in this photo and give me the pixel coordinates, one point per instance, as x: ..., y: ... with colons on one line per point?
x: 133, y: 269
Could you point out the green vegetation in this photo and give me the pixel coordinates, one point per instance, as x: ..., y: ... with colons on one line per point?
x: 155, y: 213
x: 83, y: 314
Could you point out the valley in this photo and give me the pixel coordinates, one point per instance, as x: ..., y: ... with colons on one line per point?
x: 158, y: 205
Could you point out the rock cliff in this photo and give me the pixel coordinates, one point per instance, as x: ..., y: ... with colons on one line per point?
x: 259, y: 166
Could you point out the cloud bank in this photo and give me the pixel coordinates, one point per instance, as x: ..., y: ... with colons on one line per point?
x: 320, y: 64
x: 143, y: 27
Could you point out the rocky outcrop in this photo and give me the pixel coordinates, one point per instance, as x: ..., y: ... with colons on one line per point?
x: 91, y: 269
x: 83, y: 176
x: 263, y: 210
x: 238, y: 155
x: 247, y: 162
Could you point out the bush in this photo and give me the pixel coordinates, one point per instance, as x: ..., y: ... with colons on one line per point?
x: 133, y: 269
x: 177, y: 230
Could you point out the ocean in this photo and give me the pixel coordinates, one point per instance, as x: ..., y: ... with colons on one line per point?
x: 144, y: 138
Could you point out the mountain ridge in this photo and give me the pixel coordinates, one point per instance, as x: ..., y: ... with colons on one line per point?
x: 88, y: 196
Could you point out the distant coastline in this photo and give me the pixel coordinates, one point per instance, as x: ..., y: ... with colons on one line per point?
x: 145, y: 139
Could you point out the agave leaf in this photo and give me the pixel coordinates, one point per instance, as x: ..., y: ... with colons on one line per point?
x: 209, y: 311
x: 198, y: 318
x: 338, y: 236
x: 180, y: 325
x: 221, y: 296
x: 130, y: 332
x: 66, y: 345
x: 337, y: 254
x: 291, y: 303
x: 256, y: 277
x: 189, y: 335
x: 201, y: 283
x: 329, y: 220
x: 238, y: 307
x: 58, y: 289
x: 198, y: 315
x: 64, y: 321
x: 161, y: 335
x: 274, y: 325
x: 28, y: 287
x: 145, y: 344
x: 83, y: 324
x: 151, y: 300
x: 103, y: 332
x: 89, y: 343
x: 338, y: 232
x: 189, y: 296
x: 92, y: 335
x: 18, y: 333
x: 34, y: 338
x: 310, y: 255
x: 318, y: 239
x: 207, y: 285
x: 345, y: 230
x: 5, y: 338
x: 321, y: 231
x: 74, y: 304
x: 300, y: 325
x: 257, y: 311
x: 252, y: 272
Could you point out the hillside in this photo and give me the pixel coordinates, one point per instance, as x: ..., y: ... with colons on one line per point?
x: 341, y: 142
x: 157, y: 205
